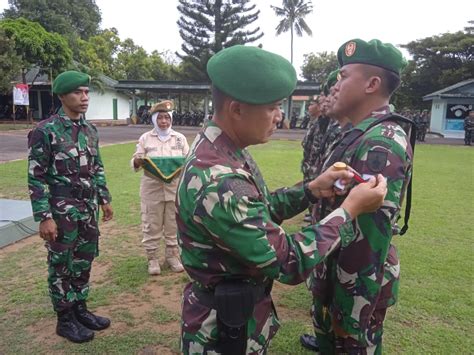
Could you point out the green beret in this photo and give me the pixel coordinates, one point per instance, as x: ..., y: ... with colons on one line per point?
x: 330, y: 81
x: 69, y: 81
x: 252, y: 75
x: 374, y: 52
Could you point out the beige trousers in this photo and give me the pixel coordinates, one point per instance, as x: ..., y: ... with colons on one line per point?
x: 158, y: 220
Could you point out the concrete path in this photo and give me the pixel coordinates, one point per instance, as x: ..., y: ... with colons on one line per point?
x: 13, y: 144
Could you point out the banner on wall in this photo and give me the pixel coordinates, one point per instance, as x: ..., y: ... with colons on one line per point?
x: 455, y: 115
x: 458, y: 111
x: 21, y: 95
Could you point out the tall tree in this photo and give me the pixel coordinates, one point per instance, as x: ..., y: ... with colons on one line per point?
x: 206, y: 27
x: 316, y: 67
x: 293, y: 13
x: 99, y: 52
x: 36, y: 46
x: 10, y: 62
x: 438, y: 61
x: 132, y: 62
x: 70, y: 18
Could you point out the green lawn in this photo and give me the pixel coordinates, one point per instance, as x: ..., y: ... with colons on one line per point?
x: 16, y: 126
x: 435, y: 313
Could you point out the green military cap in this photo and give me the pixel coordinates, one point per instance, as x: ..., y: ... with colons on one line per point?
x: 163, y: 106
x: 330, y: 81
x: 374, y: 52
x: 252, y: 75
x: 69, y: 81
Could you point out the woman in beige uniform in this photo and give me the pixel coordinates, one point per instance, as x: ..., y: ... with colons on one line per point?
x: 158, y: 186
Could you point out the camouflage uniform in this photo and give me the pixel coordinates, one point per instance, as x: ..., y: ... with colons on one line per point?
x: 311, y: 147
x: 354, y: 287
x: 62, y: 155
x: 229, y: 226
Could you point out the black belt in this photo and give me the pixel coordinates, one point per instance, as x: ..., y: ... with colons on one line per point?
x: 74, y: 192
x: 206, y: 296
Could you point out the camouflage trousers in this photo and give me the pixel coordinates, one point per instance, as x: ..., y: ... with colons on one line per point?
x: 330, y: 343
x: 70, y: 258
x: 199, y: 333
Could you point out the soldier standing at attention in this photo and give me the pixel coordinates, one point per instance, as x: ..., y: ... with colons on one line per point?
x: 167, y: 149
x: 232, y: 244
x: 359, y: 282
x: 67, y: 184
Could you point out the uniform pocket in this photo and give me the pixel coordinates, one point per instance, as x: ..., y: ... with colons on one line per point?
x: 65, y: 158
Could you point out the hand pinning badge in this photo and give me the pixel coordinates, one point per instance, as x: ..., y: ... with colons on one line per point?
x: 358, y: 178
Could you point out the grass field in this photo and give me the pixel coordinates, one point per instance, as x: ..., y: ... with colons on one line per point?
x: 16, y: 126
x: 435, y: 314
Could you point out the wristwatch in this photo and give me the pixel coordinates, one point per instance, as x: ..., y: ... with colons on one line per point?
x: 308, y: 194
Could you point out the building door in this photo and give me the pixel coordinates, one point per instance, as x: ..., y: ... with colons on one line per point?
x: 115, y: 110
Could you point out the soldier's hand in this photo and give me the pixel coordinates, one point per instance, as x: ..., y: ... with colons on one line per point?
x: 366, y: 197
x: 107, y: 212
x: 137, y: 163
x: 323, y: 185
x: 48, y: 230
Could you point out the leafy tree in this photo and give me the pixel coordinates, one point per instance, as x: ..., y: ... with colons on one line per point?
x: 206, y: 27
x: 132, y: 62
x: 293, y: 13
x: 161, y: 68
x: 70, y: 18
x: 10, y: 62
x: 36, y: 46
x: 438, y: 61
x: 100, y: 51
x: 316, y: 67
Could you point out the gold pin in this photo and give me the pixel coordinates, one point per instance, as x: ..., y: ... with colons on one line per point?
x: 340, y: 165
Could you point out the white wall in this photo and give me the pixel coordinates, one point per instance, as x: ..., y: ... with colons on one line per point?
x: 101, y: 105
x: 438, y: 116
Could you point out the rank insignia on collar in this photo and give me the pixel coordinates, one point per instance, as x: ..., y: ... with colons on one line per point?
x: 377, y: 161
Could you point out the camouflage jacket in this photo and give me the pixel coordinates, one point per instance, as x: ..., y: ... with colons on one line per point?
x: 364, y: 275
x: 312, y: 145
x: 64, y: 153
x: 228, y: 226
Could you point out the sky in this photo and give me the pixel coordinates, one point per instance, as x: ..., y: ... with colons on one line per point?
x: 152, y: 23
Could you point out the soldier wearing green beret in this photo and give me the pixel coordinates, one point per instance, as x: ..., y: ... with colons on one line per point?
x: 232, y: 244
x: 66, y: 183
x: 354, y: 287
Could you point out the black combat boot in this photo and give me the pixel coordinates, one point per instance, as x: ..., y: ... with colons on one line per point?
x: 89, y: 319
x: 309, y: 342
x: 69, y: 328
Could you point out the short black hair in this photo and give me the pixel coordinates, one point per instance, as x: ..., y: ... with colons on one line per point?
x: 218, y: 99
x: 390, y: 80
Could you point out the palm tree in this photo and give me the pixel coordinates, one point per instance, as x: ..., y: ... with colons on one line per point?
x: 293, y: 13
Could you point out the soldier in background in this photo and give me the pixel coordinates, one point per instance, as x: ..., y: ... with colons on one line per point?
x: 422, y: 121
x: 469, y: 128
x: 232, y: 243
x: 67, y: 184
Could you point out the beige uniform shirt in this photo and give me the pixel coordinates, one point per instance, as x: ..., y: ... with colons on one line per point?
x: 149, y: 145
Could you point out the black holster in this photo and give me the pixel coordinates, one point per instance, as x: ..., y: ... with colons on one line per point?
x: 234, y: 301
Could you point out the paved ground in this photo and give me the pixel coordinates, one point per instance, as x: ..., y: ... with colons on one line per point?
x: 13, y: 144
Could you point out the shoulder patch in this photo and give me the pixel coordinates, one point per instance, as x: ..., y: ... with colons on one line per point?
x: 240, y: 188
x: 377, y: 160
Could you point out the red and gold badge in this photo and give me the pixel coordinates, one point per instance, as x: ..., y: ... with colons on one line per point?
x: 350, y: 48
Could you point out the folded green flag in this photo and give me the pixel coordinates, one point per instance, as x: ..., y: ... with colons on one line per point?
x: 164, y: 168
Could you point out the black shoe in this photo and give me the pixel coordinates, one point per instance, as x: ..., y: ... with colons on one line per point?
x: 309, y: 342
x: 69, y: 328
x: 89, y: 319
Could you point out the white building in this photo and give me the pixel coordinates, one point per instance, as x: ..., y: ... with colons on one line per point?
x: 449, y: 108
